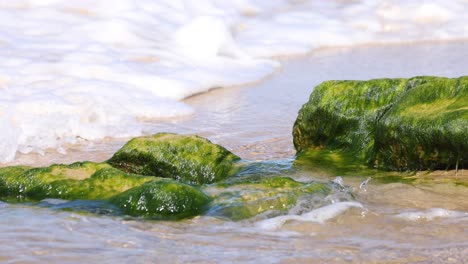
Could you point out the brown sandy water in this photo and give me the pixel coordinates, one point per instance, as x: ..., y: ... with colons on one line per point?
x: 399, y: 223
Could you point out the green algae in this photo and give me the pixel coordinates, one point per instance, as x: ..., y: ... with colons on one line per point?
x: 103, y: 184
x: 252, y: 195
x: 397, y: 124
x: 135, y: 195
x: 184, y: 158
x: 333, y: 163
x: 81, y: 180
x: 162, y: 199
x: 340, y: 113
x: 190, y: 159
x: 427, y: 129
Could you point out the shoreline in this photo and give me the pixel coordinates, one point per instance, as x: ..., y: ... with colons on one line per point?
x: 255, y: 120
x: 298, y: 56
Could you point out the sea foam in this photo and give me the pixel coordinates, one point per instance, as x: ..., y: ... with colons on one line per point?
x: 431, y: 214
x: 319, y: 215
x: 80, y: 70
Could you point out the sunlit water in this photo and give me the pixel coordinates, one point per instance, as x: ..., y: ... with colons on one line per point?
x: 395, y: 223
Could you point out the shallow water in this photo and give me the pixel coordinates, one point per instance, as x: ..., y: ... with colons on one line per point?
x: 398, y: 223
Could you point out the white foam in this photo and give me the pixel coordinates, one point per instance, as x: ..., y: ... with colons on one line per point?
x: 75, y: 70
x: 52, y: 201
x: 319, y: 215
x: 431, y: 214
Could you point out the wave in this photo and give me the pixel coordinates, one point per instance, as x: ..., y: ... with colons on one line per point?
x: 80, y: 70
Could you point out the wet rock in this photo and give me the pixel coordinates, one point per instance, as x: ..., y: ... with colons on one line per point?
x: 398, y: 124
x: 190, y: 159
x: 183, y: 158
x: 81, y: 180
x: 135, y: 195
x: 246, y: 197
x: 162, y: 199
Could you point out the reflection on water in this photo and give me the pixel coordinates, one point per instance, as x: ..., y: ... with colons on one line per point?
x: 398, y: 223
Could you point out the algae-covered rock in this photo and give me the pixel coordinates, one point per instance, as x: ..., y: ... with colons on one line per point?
x: 163, y: 199
x: 186, y: 158
x: 249, y: 196
x: 81, y: 180
x: 190, y: 159
x: 135, y: 195
x: 427, y: 128
x: 400, y: 124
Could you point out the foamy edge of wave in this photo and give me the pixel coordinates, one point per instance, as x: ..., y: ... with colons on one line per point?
x: 319, y: 215
x: 75, y: 70
x: 431, y: 214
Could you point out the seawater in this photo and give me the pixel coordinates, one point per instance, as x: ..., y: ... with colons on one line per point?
x: 396, y: 223
x: 77, y: 71
x: 76, y: 74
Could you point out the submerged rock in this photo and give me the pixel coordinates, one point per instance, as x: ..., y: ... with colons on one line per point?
x: 419, y: 123
x: 246, y: 197
x: 190, y: 159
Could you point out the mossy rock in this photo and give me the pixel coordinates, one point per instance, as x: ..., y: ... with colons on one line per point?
x: 81, y: 180
x: 398, y: 124
x: 190, y: 159
x: 135, y: 195
x: 427, y: 128
x: 163, y: 199
x: 186, y: 158
x: 249, y: 196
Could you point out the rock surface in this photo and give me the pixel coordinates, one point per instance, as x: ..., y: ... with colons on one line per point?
x: 135, y: 195
x: 163, y: 199
x: 419, y: 123
x: 190, y: 159
x: 130, y: 182
x: 133, y: 178
x: 81, y: 180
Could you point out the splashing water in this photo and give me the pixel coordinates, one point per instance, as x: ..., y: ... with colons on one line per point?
x: 431, y: 214
x: 319, y: 215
